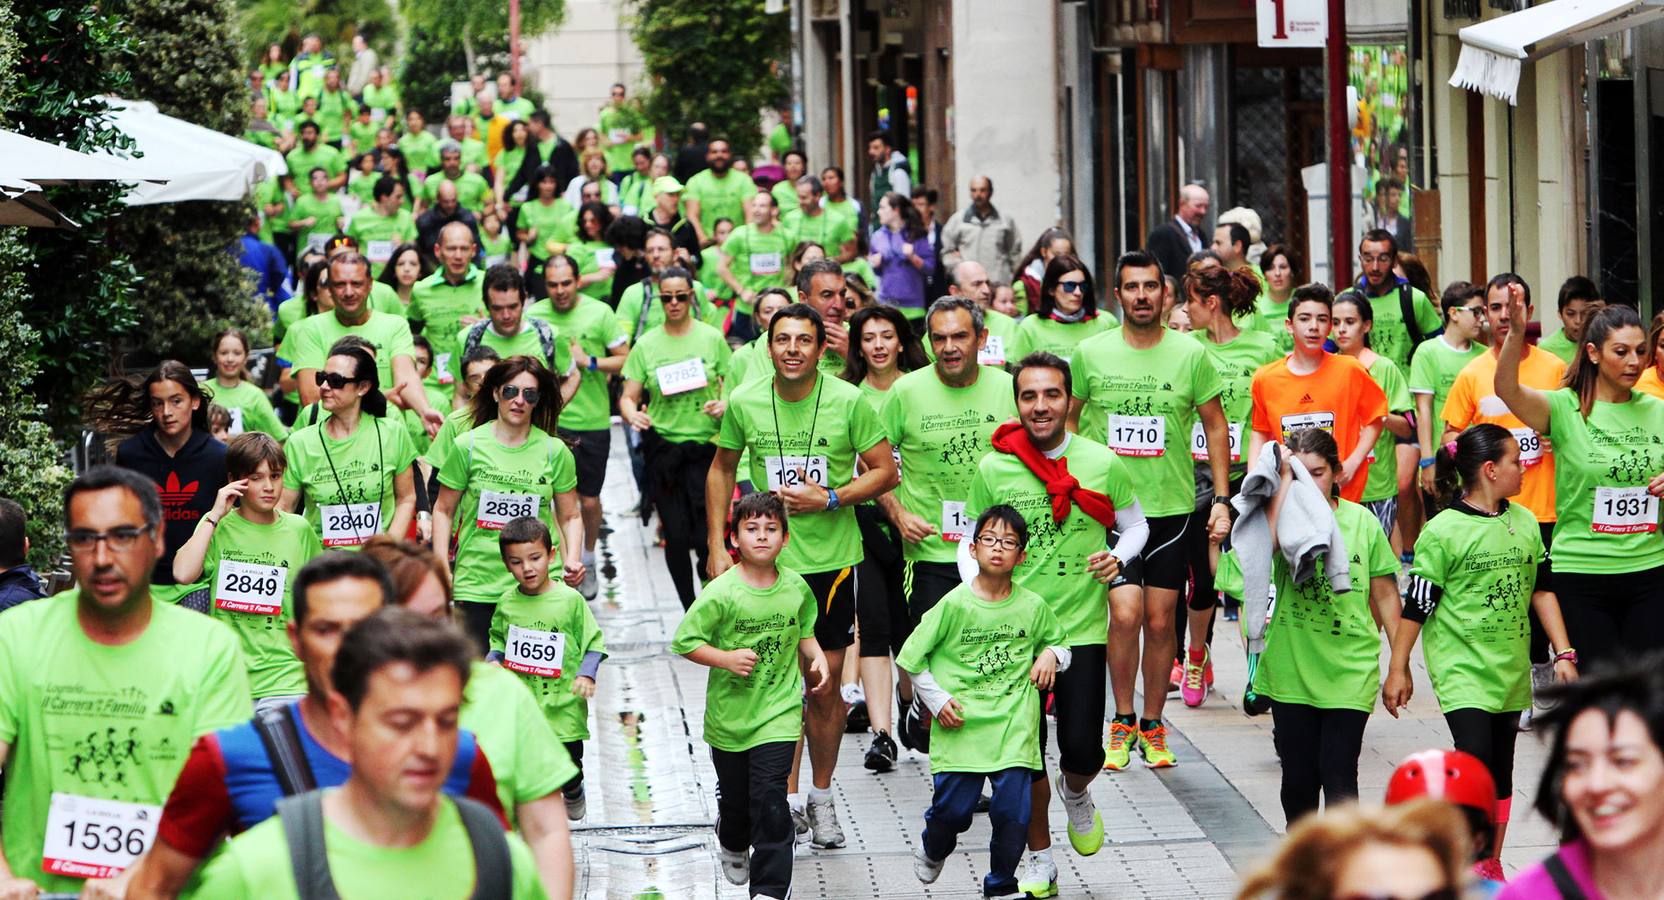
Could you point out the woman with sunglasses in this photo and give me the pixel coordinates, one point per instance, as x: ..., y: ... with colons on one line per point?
x: 509, y: 465
x: 353, y: 467
x: 678, y: 368
x: 1065, y: 313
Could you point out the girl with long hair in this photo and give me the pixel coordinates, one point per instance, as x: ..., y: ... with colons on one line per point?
x: 232, y: 388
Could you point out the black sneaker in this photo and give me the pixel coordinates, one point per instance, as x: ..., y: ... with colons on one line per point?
x: 1254, y: 703
x: 915, y: 726
x: 881, y: 753
x: 857, y: 721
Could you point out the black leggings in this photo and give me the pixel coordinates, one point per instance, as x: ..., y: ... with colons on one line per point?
x: 1489, y: 736
x: 675, y: 476
x: 880, y: 604
x: 1319, y: 750
x: 1202, y: 594
x: 476, y: 623
x: 1079, y: 708
x: 1609, y: 617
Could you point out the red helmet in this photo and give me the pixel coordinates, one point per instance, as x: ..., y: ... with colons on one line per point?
x: 1450, y: 775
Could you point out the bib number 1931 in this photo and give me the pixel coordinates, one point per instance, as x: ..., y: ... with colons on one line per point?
x: 1624, y: 510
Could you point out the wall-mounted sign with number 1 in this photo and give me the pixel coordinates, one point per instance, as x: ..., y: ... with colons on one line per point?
x: 1292, y: 23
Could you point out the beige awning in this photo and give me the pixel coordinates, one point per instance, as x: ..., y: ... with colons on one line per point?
x: 1493, y: 51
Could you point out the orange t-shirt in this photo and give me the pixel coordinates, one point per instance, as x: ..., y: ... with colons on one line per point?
x: 1339, y: 398
x: 1650, y: 383
x: 1473, y: 400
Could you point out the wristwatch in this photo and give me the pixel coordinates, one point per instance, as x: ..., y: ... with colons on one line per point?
x: 831, y: 499
x: 594, y: 364
x: 1221, y: 500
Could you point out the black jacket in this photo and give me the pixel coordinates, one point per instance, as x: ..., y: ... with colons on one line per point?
x: 189, y: 481
x: 562, y: 158
x: 19, y: 584
x: 1168, y: 244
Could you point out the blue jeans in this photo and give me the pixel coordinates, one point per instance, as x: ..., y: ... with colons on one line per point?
x: 950, y: 815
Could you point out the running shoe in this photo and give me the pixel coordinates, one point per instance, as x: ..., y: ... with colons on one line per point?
x: 1118, y: 752
x: 926, y: 868
x: 1175, y: 676
x: 736, y: 864
x: 1152, y: 745
x: 1038, y: 877
x: 881, y: 753
x: 577, y: 806
x: 800, y: 822
x: 1542, y: 678
x: 1195, y: 688
x: 856, y: 720
x: 1086, y: 826
x: 1207, y: 668
x: 591, y: 585
x: 1254, y: 703
x: 825, y: 832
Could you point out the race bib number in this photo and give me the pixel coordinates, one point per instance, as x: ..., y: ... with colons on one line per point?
x: 315, y: 243
x: 679, y: 378
x: 376, y: 115
x: 236, y: 421
x: 497, y: 509
x: 606, y: 258
x: 1199, y: 442
x: 350, y: 524
x: 765, y: 263
x: 1624, y: 510
x: 992, y: 352
x: 631, y: 209
x: 495, y: 260
x: 791, y: 471
x: 380, y: 251
x: 618, y: 135
x: 955, y: 525
x: 1531, y: 446
x: 91, y: 838
x: 250, y: 588
x: 534, y: 652
x: 442, y: 365
x: 1303, y: 421
x: 1138, y: 435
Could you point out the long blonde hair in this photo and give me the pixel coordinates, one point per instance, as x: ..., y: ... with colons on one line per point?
x: 1308, y: 864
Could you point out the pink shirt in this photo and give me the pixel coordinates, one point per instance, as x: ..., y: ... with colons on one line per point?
x: 1535, y: 884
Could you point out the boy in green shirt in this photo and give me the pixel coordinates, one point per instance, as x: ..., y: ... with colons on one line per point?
x: 544, y: 631
x: 751, y: 625
x: 985, y: 639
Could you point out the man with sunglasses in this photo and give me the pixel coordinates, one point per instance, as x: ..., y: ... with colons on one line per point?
x: 510, y: 332
x: 98, y: 704
x: 638, y: 308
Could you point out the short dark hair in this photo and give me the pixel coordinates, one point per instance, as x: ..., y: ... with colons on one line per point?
x: 336, y: 565
x: 245, y: 452
x: 503, y: 277
x: 482, y: 353
x: 1501, y: 282
x: 951, y: 302
x: 397, y: 635
x: 525, y: 530
x: 1379, y: 236
x: 799, y: 311
x: 1001, y: 512
x: 1315, y: 292
x: 559, y: 259
x: 929, y: 194
x: 1136, y: 259
x: 1456, y: 294
x: 1040, y: 359
x: 102, y: 478
x: 880, y: 134
x: 384, y: 187
x: 1578, y: 287
x: 627, y: 232
x: 13, y: 527
x: 826, y: 265
x: 1239, y: 234
x: 761, y: 505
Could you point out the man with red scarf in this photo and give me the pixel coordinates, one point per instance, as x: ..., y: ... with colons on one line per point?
x: 1072, y: 491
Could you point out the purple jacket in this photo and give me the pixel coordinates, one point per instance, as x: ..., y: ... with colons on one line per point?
x: 900, y: 283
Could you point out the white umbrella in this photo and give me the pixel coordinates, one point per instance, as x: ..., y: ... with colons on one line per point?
x: 198, y: 163
x: 23, y: 203
x: 24, y: 159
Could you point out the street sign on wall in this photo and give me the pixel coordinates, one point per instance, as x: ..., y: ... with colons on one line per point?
x: 1292, y: 23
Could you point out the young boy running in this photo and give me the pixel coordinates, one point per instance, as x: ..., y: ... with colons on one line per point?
x: 544, y: 631
x: 750, y: 625
x: 972, y: 658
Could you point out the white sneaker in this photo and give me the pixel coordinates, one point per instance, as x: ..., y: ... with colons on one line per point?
x: 591, y: 585
x: 736, y: 864
x: 926, y: 868
x: 825, y: 832
x: 1038, y: 877
x: 800, y: 823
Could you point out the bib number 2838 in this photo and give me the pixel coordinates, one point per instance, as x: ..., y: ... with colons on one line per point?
x: 88, y: 837
x: 498, y: 509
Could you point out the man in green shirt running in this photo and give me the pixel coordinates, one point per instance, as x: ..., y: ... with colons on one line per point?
x: 442, y: 303
x: 835, y: 233
x: 510, y: 105
x: 312, y: 154
x: 102, y: 692
x: 385, y: 224
x: 718, y: 192
x: 399, y: 682
x: 472, y: 190
x: 1579, y: 299
x: 805, y: 431
x: 621, y: 130
x: 970, y: 279
x: 1389, y: 297
x: 473, y: 150
x: 421, y: 149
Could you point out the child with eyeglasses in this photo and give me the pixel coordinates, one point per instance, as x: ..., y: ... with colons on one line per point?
x: 969, y: 659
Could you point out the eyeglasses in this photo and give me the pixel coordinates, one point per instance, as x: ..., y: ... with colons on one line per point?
x: 335, y: 380
x: 993, y: 540
x: 120, y: 539
x: 530, y: 395
x: 1476, y: 311
x: 682, y: 297
x: 1072, y: 287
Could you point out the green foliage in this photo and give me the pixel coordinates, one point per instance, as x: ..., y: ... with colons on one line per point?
x: 79, y: 281
x: 193, y: 286
x: 261, y: 23
x: 485, y: 24
x: 713, y: 61
x: 432, y: 60
x: 32, y: 469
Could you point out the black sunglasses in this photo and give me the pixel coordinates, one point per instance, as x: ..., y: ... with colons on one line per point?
x: 335, y: 380
x: 530, y: 395
x: 681, y: 297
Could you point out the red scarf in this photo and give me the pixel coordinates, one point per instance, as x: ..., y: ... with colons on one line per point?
x: 1060, y: 485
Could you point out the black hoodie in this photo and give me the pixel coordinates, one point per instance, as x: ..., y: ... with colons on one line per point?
x: 189, y: 481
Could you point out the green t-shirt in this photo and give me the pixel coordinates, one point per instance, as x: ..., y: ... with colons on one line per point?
x: 473, y: 153
x: 327, y: 212
x: 257, y: 864
x: 785, y: 194
x: 639, y: 312
x: 941, y: 433
x: 616, y: 125
x: 417, y: 428
x: 526, y: 343
x: 249, y: 408
x: 1476, y: 641
x: 635, y: 194
x: 302, y: 161
x: 1236, y: 363
x: 506, y: 164
x: 437, y: 308
x: 767, y: 707
x: 384, y: 299
x: 1390, y: 337
x: 251, y: 571
x: 1559, y: 345
x: 1383, y: 460
x: 381, y: 97
x: 980, y: 652
x: 516, y: 109
x: 557, y: 221
x: 1057, y: 551
x: 526, y: 759
x: 362, y: 135
x: 679, y: 375
x: 1323, y: 649
x: 307, y: 343
x: 1433, y: 370
x: 363, y: 187
x: 592, y: 257
x: 830, y: 230
x: 558, y: 611
x: 596, y: 330
x: 348, y: 484
x: 499, y: 484
x: 458, y: 421
x: 758, y: 260
x: 111, y: 723
x: 380, y: 235
x: 1606, y: 525
x: 271, y: 193
x: 1144, y: 402
x: 421, y: 151
x: 333, y: 108
x: 471, y: 189
x: 1035, y: 334
x: 821, y: 435
x: 719, y: 198
x: 498, y: 249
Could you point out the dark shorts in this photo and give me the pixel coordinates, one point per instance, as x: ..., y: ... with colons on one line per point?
x: 589, y: 451
x: 1165, y: 562
x: 1079, y: 710
x: 834, y: 607
x: 926, y: 584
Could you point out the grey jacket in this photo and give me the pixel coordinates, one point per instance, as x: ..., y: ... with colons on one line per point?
x: 1306, y: 529
x: 993, y: 241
